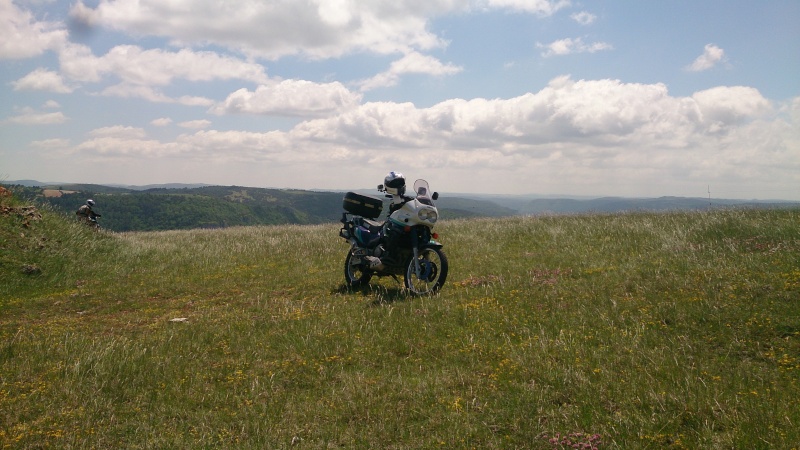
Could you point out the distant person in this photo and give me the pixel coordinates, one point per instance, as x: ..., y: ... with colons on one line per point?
x: 86, y: 214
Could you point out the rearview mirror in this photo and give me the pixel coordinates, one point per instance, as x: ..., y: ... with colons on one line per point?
x: 435, y: 196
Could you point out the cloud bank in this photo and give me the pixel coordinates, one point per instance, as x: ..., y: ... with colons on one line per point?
x: 214, y: 70
x: 566, y: 132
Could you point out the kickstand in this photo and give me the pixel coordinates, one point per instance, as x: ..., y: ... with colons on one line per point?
x: 395, y: 278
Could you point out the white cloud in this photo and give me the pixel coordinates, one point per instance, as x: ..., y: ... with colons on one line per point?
x: 51, y: 104
x: 583, y: 17
x: 122, y: 148
x: 188, y: 100
x: 337, y: 13
x: 29, y: 116
x: 243, y: 146
x: 572, y: 132
x: 590, y: 115
x: 118, y: 131
x: 23, y: 36
x: 290, y: 98
x: 125, y: 90
x: 411, y: 63
x: 568, y: 46
x: 195, y: 124
x: 566, y: 111
x: 275, y: 29
x: 42, y: 80
x: 161, y: 122
x: 51, y: 144
x: 140, y: 71
x: 121, y: 143
x: 539, y: 7
x: 156, y: 67
x: 712, y: 55
x: 726, y: 106
x: 317, y: 28
x: 84, y: 16
x: 78, y: 63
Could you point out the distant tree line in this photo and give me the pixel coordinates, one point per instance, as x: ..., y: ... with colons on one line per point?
x: 156, y: 209
x: 209, y: 207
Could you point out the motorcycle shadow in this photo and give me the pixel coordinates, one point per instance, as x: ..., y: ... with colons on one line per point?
x: 381, y: 295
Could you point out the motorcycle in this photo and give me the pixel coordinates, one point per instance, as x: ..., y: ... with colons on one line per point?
x: 404, y: 244
x: 92, y: 222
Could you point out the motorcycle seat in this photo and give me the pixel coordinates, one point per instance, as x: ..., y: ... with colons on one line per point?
x: 373, y: 225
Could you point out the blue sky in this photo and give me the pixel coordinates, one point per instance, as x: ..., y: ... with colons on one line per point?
x: 560, y: 97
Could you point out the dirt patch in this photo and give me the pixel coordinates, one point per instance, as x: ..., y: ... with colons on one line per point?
x: 56, y: 192
x: 28, y: 214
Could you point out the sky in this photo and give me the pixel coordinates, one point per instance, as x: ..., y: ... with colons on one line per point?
x: 691, y: 98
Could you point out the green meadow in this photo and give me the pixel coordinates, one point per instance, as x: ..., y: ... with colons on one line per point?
x: 630, y: 331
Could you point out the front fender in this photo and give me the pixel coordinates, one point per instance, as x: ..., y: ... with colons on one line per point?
x: 433, y: 244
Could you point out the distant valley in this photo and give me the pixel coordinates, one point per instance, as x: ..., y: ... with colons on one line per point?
x: 180, y: 206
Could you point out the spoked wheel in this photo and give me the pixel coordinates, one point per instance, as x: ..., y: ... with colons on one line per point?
x: 356, y: 274
x: 432, y: 272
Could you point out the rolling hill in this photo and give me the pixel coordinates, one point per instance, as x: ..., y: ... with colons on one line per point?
x: 174, y: 206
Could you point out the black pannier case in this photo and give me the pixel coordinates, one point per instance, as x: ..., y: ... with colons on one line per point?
x: 362, y: 205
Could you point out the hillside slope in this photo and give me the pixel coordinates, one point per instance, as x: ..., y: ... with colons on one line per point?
x: 41, y: 252
x: 187, y: 208
x: 671, y: 330
x: 219, y: 206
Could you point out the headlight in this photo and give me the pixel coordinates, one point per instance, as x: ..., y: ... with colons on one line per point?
x: 428, y: 214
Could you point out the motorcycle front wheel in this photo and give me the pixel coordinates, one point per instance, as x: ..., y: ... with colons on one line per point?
x: 355, y: 274
x: 432, y: 272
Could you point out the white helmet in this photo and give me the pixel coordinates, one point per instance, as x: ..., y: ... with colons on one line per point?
x: 395, y: 183
x: 90, y: 202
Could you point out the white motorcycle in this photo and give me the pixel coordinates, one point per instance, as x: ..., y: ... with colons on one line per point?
x: 404, y: 244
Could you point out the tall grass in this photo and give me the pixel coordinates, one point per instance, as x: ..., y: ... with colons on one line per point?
x: 676, y: 330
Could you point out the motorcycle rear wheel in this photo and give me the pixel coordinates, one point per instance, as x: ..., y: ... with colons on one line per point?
x: 355, y: 274
x: 433, y: 272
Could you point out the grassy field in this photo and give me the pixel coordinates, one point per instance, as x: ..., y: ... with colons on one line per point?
x: 631, y: 331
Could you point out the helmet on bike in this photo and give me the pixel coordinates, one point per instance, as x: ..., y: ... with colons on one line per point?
x: 90, y: 202
x: 395, y: 183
